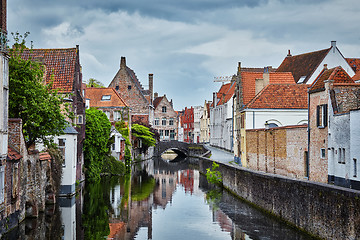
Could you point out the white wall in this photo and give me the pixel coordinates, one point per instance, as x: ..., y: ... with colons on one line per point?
x: 4, y: 102
x: 333, y: 59
x: 355, y: 143
x: 256, y: 118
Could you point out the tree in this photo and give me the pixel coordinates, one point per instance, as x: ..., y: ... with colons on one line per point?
x: 97, y: 133
x: 92, y: 82
x: 41, y: 108
x: 142, y: 132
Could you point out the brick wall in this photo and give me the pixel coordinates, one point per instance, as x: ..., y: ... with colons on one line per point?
x: 15, y: 133
x: 277, y: 150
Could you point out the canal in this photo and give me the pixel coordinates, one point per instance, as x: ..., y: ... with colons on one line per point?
x: 162, y: 200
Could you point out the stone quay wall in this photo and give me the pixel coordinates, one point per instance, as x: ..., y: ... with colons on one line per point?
x: 323, y: 210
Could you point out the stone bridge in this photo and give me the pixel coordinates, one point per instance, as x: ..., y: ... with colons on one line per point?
x: 181, y: 148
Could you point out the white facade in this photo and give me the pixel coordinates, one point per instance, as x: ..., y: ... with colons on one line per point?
x: 198, y: 111
x: 180, y: 132
x: 333, y: 59
x: 355, y: 146
x: 205, y: 125
x: 4, y: 103
x: 116, y: 146
x: 68, y: 216
x: 256, y: 118
x: 67, y: 144
x: 221, y: 126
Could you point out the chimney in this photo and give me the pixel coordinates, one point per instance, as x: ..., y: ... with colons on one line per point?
x: 122, y: 62
x: 214, y: 99
x: 289, y: 54
x: 171, y: 103
x: 3, y: 16
x: 239, y: 68
x: 333, y: 43
x: 151, y: 86
x: 156, y: 95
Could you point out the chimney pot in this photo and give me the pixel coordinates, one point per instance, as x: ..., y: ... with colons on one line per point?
x: 333, y: 43
x: 289, y: 54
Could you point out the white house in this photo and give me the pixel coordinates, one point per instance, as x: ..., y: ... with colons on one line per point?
x: 307, y: 67
x: 221, y: 115
x: 205, y: 123
x: 355, y: 148
x: 198, y: 111
x: 116, y: 149
x: 67, y: 144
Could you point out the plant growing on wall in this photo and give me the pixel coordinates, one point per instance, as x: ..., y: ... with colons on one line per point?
x: 97, y: 132
x: 212, y: 175
x: 40, y: 107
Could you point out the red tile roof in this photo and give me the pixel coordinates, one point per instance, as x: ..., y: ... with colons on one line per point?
x: 338, y: 74
x: 225, y: 93
x: 354, y: 63
x: 95, y: 96
x: 303, y: 64
x: 44, y: 156
x: 13, y: 154
x: 60, y: 65
x: 356, y: 77
x: 281, y: 96
x: 157, y: 101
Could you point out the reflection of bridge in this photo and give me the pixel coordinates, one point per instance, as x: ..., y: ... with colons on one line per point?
x: 181, y: 148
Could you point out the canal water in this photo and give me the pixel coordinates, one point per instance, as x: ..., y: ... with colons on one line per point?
x: 162, y: 200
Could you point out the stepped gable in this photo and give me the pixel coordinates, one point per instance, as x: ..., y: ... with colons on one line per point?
x: 338, y: 74
x: 281, y: 96
x: 303, y: 64
x: 59, y: 63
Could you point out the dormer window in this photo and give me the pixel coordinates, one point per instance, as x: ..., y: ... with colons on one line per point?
x: 301, y: 80
x: 106, y: 98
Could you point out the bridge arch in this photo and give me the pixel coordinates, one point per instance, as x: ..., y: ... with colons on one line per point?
x: 181, y: 148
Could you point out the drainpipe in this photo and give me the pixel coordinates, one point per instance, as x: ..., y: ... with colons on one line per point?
x: 308, y: 129
x: 232, y: 126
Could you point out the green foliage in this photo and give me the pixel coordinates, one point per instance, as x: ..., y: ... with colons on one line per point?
x: 39, y: 106
x: 92, y: 82
x: 142, y: 132
x: 113, y: 166
x: 140, y: 192
x: 123, y: 129
x: 97, y: 132
x: 213, y: 176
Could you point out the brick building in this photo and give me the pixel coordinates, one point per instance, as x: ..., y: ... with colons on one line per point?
x: 109, y: 101
x: 62, y: 67
x: 130, y: 89
x: 333, y: 96
x: 187, y: 121
x: 165, y: 118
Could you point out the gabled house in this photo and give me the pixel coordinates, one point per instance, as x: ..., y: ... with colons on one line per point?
x: 130, y: 89
x: 221, y: 117
x: 110, y: 102
x: 205, y: 123
x: 198, y: 111
x: 249, y: 82
x: 187, y: 121
x: 306, y: 67
x: 165, y: 118
x: 331, y: 97
x: 62, y: 67
x: 274, y: 130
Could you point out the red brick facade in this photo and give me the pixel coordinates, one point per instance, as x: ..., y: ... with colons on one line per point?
x: 187, y: 121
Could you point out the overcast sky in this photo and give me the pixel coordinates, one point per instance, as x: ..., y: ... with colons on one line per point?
x: 186, y: 43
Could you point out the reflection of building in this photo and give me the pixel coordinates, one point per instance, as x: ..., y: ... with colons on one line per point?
x: 68, y: 217
x: 115, y: 200
x: 186, y: 179
x: 166, y: 185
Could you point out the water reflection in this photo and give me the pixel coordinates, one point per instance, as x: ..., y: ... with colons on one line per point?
x: 162, y: 200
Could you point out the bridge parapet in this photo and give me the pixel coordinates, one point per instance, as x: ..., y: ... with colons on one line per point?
x: 188, y: 149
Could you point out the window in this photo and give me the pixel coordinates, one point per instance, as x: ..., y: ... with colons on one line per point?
x: 355, y: 167
x: 302, y: 79
x: 117, y: 116
x: 341, y: 156
x: 166, y: 133
x: 163, y: 121
x: 163, y: 109
x: 172, y: 134
x: 61, y: 143
x: 106, y: 98
x: 161, y: 133
x: 171, y: 122
x: 117, y: 87
x: 107, y: 113
x: 322, y: 153
x: 156, y: 122
x: 113, y: 147
x: 129, y: 87
x: 80, y: 119
x: 2, y: 181
x: 321, y: 116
